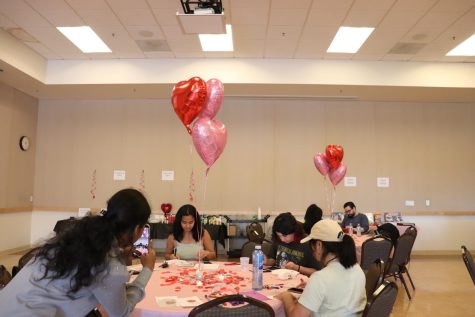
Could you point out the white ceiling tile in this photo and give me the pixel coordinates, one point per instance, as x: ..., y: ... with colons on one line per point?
x: 88, y: 4
x: 164, y: 4
x: 280, y: 48
x: 364, y: 18
x: 258, y: 16
x: 411, y: 5
x: 287, y: 16
x: 284, y: 32
x: 6, y: 23
x: 184, y: 46
x: 438, y: 20
x: 25, y: 18
x: 249, y: 4
x: 166, y: 16
x: 317, y: 39
x: 136, y: 17
x: 117, y: 39
x: 453, y: 6
x: 249, y: 48
x: 99, y: 17
x: 399, y: 19
x: 62, y: 18
x: 322, y: 18
x: 40, y: 5
x: 53, y: 40
x: 145, y: 32
x: 331, y: 5
x: 43, y: 50
x: 250, y: 32
x: 127, y: 4
x: 176, y: 33
x: 294, y: 4
x: 372, y: 5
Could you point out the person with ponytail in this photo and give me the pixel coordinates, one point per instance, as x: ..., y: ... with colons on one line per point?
x: 84, y: 266
x: 339, y: 288
x: 189, y: 240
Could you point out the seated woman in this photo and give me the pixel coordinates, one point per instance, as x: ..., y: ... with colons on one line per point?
x: 189, y: 240
x: 287, y: 251
x: 339, y: 288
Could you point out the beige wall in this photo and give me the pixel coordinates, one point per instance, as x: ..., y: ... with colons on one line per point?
x: 18, y: 116
x: 427, y: 151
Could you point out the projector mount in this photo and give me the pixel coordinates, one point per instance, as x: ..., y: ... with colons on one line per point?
x: 202, y: 6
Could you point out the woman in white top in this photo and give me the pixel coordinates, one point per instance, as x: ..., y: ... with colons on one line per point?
x: 189, y: 240
x: 84, y: 266
x: 339, y: 288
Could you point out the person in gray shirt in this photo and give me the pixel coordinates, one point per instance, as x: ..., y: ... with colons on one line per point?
x: 84, y: 266
x: 354, y: 217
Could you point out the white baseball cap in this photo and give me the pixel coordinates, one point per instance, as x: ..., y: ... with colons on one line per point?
x: 325, y: 230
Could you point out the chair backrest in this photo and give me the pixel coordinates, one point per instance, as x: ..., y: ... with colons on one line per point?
x: 254, y: 307
x: 403, y: 248
x: 382, y: 301
x: 374, y: 277
x: 389, y: 230
x: 377, y: 247
x: 249, y: 246
x: 468, y: 260
x: 5, y: 276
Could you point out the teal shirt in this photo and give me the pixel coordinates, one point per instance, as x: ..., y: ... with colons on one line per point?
x: 188, y: 251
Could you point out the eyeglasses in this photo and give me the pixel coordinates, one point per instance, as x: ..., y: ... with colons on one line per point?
x: 347, y: 210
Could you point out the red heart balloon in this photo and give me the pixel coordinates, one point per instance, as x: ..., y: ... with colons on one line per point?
x: 334, y: 155
x: 188, y: 99
x: 166, y: 208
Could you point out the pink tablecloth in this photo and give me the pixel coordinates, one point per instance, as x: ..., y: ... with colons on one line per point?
x: 163, y: 283
x: 359, y: 242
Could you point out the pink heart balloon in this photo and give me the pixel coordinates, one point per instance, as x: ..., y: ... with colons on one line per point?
x: 209, y: 137
x: 214, y: 98
x: 321, y: 164
x: 337, y: 174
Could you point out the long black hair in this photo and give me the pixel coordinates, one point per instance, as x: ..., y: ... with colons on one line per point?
x: 344, y: 250
x: 187, y: 210
x: 312, y: 216
x: 81, y: 251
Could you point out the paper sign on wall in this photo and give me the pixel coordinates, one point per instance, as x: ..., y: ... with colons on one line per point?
x: 350, y: 181
x: 168, y: 175
x: 119, y: 175
x: 382, y: 181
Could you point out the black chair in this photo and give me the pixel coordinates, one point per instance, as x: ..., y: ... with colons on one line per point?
x: 382, y: 301
x: 468, y: 260
x: 397, y: 265
x: 249, y: 246
x: 215, y: 307
x: 389, y: 230
x: 374, y: 277
x: 377, y: 247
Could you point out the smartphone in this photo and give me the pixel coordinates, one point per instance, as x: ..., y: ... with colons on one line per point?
x: 141, y: 244
x: 296, y: 290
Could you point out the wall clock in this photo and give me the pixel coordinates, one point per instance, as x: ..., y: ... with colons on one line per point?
x: 24, y: 143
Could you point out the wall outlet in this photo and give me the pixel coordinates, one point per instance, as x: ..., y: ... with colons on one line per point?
x: 409, y: 203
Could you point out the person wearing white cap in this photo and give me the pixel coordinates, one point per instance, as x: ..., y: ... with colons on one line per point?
x: 339, y: 288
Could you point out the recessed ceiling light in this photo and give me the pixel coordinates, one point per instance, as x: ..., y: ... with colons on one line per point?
x: 466, y: 48
x: 85, y: 39
x: 349, y: 39
x: 217, y: 42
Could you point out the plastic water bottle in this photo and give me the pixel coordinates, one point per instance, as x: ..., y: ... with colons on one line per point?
x: 358, y: 230
x: 257, y: 266
x: 350, y: 229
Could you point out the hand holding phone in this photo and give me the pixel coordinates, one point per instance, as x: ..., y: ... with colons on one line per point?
x: 141, y: 245
x: 296, y: 290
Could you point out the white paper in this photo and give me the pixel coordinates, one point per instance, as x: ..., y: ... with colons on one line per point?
x: 350, y: 181
x: 119, y: 175
x: 207, y: 266
x: 168, y: 175
x: 166, y: 301
x: 382, y: 181
x: 188, y: 301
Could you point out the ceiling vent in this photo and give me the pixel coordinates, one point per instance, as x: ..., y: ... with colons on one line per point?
x: 153, y: 45
x: 406, y: 48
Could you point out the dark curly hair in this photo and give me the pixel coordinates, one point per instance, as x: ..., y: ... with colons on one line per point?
x: 81, y: 251
x: 187, y: 210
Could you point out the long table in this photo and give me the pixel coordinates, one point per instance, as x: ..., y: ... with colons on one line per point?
x: 226, y: 279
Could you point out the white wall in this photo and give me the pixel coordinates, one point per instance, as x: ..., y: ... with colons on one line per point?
x: 42, y: 224
x: 15, y: 230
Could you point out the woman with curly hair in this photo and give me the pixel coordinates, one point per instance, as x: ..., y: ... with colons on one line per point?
x: 84, y: 266
x: 189, y: 240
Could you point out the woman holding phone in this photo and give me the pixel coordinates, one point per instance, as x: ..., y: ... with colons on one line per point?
x: 189, y: 240
x: 84, y: 266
